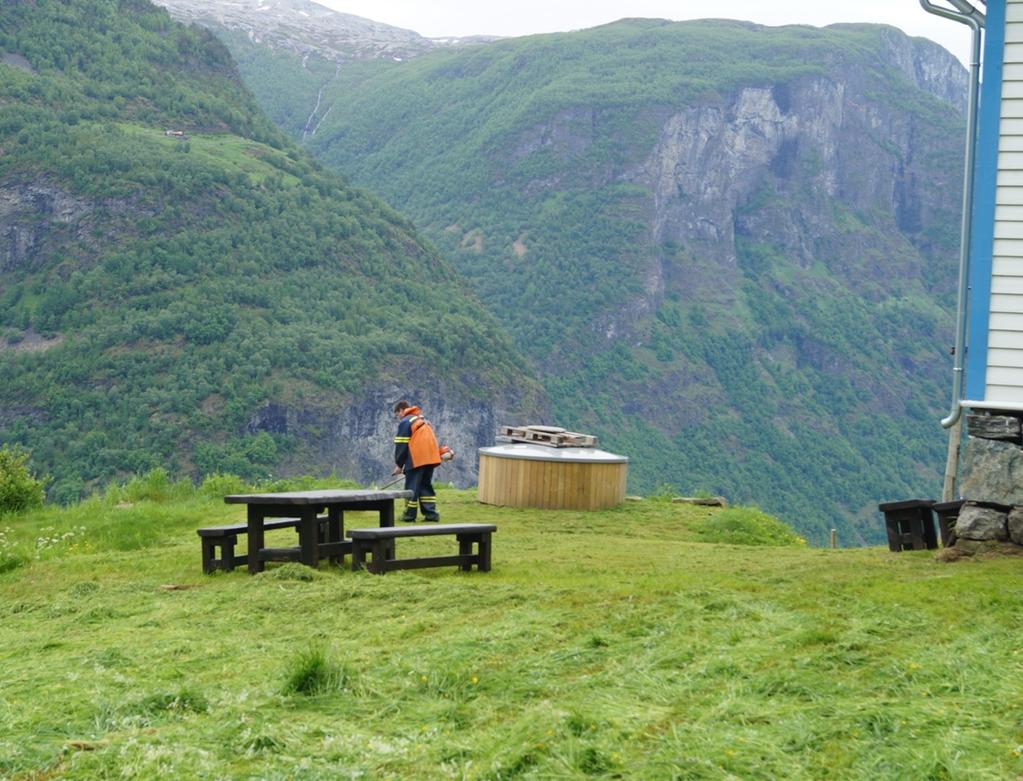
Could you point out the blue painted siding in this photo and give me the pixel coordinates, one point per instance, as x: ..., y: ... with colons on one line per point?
x: 983, y: 218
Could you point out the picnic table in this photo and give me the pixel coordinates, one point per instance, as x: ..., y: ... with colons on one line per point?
x: 307, y: 507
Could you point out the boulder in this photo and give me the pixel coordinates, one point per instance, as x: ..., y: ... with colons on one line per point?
x: 992, y: 472
x: 981, y: 523
x: 1015, y: 525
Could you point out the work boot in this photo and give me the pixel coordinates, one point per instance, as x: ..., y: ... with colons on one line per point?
x: 430, y: 512
x: 409, y: 516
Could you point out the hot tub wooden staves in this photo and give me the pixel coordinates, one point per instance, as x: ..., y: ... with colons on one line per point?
x: 524, y: 475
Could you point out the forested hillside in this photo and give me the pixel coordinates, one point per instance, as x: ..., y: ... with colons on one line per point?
x: 182, y: 287
x: 729, y: 250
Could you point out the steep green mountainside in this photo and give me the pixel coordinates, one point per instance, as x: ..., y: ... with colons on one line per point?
x: 181, y: 286
x: 729, y: 250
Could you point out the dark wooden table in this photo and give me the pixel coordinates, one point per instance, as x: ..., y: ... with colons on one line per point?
x: 910, y: 524
x: 307, y: 506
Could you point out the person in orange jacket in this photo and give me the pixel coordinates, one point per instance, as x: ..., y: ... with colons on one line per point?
x: 416, y: 453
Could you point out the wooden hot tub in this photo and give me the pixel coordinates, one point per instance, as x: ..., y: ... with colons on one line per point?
x: 563, y: 478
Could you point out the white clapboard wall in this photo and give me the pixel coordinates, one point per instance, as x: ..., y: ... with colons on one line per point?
x: 1004, y: 379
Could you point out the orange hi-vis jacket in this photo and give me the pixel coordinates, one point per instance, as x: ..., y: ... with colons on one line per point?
x: 415, y: 444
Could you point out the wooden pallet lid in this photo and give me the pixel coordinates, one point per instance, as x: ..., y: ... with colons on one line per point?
x: 548, y: 436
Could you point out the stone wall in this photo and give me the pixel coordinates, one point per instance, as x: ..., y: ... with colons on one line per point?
x: 992, y: 481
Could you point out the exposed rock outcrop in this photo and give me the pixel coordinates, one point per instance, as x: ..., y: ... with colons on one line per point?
x: 716, y: 169
x: 358, y: 440
x: 34, y: 217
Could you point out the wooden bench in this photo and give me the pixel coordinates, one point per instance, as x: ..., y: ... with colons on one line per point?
x: 380, y: 543
x: 226, y: 537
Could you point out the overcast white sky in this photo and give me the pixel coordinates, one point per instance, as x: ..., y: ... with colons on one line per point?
x: 441, y: 18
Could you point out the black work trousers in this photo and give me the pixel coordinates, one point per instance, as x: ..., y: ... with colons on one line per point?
x: 420, y: 482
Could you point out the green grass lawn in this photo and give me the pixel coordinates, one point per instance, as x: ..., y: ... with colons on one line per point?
x: 602, y: 645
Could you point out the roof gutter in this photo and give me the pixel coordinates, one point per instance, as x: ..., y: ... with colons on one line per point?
x: 967, y: 14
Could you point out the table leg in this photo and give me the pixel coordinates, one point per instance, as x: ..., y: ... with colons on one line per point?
x: 484, y: 550
x: 930, y: 537
x: 309, y: 536
x: 207, y: 555
x: 387, y: 519
x: 916, y: 531
x: 255, y: 535
x: 380, y: 554
x: 465, y: 550
x: 336, y: 530
x: 894, y: 535
x: 227, y: 553
x: 358, y: 555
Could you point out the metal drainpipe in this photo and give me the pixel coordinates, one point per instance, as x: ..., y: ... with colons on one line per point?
x: 974, y: 19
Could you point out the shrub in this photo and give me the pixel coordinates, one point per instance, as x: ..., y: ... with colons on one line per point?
x: 67, y: 492
x: 218, y: 485
x: 300, y: 483
x: 12, y: 555
x: 747, y: 526
x: 19, y: 489
x: 312, y: 673
x: 156, y: 486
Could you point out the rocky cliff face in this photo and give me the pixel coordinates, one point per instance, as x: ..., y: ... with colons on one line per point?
x: 35, y: 218
x: 771, y: 163
x: 357, y: 441
x: 926, y: 65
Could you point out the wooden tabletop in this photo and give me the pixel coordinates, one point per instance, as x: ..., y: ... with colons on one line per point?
x: 318, y: 497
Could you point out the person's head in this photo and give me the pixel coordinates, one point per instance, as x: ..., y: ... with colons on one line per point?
x: 400, y: 407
